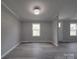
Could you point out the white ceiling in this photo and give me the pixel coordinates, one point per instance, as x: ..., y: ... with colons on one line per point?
x: 50, y: 9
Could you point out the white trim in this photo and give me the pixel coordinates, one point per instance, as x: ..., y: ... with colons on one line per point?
x: 24, y: 41
x: 34, y: 42
x: 10, y: 50
x: 9, y: 9
x: 56, y: 44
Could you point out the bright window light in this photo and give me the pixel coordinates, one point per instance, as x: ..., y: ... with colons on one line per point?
x: 35, y: 29
x: 73, y: 29
x: 36, y: 11
x: 59, y: 24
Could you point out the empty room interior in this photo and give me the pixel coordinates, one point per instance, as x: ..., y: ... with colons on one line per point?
x: 39, y: 29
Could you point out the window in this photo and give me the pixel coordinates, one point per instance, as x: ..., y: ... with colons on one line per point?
x: 73, y: 29
x: 36, y: 29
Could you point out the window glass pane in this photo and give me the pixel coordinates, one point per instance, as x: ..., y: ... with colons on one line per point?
x: 36, y: 29
x: 36, y: 26
x: 73, y: 26
x: 73, y: 33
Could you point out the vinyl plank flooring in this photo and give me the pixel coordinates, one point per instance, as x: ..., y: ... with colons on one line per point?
x: 43, y: 51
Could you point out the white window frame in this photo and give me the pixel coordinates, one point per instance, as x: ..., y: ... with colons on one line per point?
x: 35, y: 29
x: 73, y: 29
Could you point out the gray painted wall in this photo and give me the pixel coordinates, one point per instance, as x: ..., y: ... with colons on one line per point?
x: 45, y: 32
x: 60, y: 31
x: 64, y: 32
x: 54, y: 33
x: 10, y: 30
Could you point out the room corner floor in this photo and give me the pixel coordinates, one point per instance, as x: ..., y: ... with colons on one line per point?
x: 44, y: 51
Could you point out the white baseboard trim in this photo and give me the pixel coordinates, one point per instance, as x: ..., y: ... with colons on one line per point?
x: 55, y: 44
x: 34, y: 42
x: 10, y: 50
